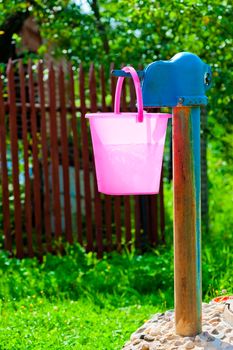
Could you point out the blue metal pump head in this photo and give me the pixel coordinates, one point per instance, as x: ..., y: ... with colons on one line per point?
x: 181, y: 81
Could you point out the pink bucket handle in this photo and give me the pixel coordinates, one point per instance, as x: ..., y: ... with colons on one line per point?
x: 138, y: 90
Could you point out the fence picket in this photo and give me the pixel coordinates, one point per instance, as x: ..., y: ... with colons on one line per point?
x: 54, y: 153
x: 15, y: 159
x: 76, y: 155
x: 108, y: 199
x: 65, y: 157
x: 85, y: 159
x: 127, y: 211
x: 127, y: 217
x: 132, y: 96
x: 137, y: 215
x: 161, y: 209
x: 4, y: 175
x: 36, y: 169
x: 123, y: 96
x: 97, y: 199
x: 137, y: 220
x: 28, y: 204
x: 117, y: 199
x: 103, y: 89
x: 45, y: 159
x: 112, y: 85
x: 147, y: 224
x: 153, y: 218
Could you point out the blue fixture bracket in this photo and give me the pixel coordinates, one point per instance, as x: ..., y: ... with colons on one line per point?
x: 191, y: 101
x: 121, y: 73
x: 181, y: 81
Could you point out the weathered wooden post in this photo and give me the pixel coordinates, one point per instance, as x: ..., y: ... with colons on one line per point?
x: 181, y: 83
x: 187, y: 225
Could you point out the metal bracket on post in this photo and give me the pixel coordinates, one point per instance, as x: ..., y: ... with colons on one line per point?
x: 181, y: 83
x: 121, y: 73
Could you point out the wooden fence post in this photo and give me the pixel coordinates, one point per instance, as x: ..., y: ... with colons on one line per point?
x: 45, y: 162
x: 28, y: 204
x: 116, y: 199
x: 36, y: 169
x: 65, y: 158
x: 187, y: 220
x: 76, y: 155
x: 107, y: 198
x: 97, y: 198
x: 4, y: 176
x: 15, y: 159
x: 54, y: 152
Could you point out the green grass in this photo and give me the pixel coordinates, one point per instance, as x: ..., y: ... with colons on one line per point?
x: 78, y: 302
x: 42, y: 324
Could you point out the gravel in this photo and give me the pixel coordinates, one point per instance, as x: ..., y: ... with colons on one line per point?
x: 159, y: 332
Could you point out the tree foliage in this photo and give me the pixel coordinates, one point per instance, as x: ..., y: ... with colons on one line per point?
x: 140, y: 31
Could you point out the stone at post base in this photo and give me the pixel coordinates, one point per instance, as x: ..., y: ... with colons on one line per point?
x: 228, y: 312
x: 159, y: 332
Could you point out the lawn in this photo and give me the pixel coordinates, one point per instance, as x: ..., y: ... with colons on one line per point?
x: 37, y: 323
x: 79, y: 302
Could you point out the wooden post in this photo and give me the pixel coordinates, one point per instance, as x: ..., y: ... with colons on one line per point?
x: 54, y: 153
x: 28, y: 194
x: 187, y: 228
x: 4, y: 175
x: 45, y: 160
x: 97, y: 198
x: 65, y: 157
x: 15, y: 159
x: 36, y: 161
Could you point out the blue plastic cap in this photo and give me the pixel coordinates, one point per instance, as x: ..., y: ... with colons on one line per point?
x: 183, y: 80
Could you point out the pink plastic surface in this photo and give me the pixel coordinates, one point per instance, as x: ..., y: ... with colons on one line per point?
x: 128, y: 147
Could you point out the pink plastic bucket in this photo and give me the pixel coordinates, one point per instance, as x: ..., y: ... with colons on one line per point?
x: 128, y: 147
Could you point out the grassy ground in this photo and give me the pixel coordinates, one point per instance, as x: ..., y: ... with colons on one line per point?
x: 68, y: 324
x: 78, y: 302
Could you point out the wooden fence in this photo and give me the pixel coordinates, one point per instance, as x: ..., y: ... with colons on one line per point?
x: 48, y: 189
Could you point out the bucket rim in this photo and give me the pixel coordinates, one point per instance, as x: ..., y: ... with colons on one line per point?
x: 131, y: 193
x: 124, y: 115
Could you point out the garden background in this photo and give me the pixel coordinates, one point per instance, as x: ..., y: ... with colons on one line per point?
x: 74, y: 300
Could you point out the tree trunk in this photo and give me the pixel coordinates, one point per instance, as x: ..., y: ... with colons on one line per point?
x: 12, y: 25
x: 100, y: 26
